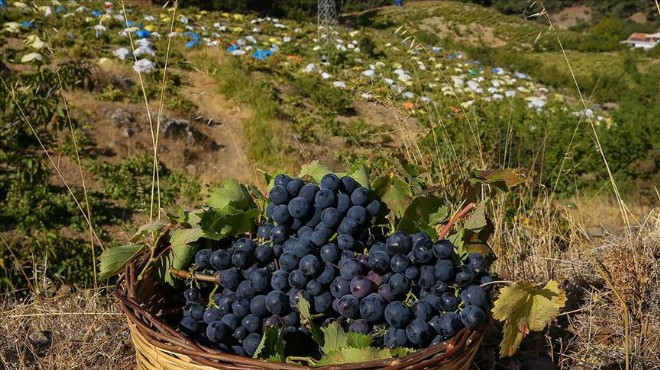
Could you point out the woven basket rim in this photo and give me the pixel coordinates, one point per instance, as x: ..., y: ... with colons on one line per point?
x: 160, y: 335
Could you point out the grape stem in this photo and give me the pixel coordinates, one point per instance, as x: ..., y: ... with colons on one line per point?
x: 294, y: 359
x: 497, y: 282
x: 456, y: 217
x: 184, y: 274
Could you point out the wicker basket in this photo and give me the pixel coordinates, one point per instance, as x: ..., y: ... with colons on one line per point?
x: 158, y: 346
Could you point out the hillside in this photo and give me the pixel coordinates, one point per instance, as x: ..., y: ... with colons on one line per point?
x: 94, y: 95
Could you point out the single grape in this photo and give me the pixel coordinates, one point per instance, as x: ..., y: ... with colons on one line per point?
x: 280, y: 214
x: 399, y: 284
x: 440, y: 287
x: 348, y: 226
x: 315, y: 218
x: 434, y: 300
x: 399, y: 263
x: 263, y: 253
x: 375, y: 278
x: 202, y: 258
x: 343, y: 203
x: 464, y: 276
x: 294, y: 186
x: 245, y: 290
x: 397, y: 314
x: 230, y: 278
x: 302, y: 247
x: 398, y: 243
x: 419, y: 332
x: 330, y: 217
x: 359, y: 326
x: 294, y: 296
x: 328, y: 275
x: 264, y: 230
x: 325, y: 198
x: 241, y: 308
x: 330, y: 181
x: 280, y: 280
x: 360, y: 196
x: 232, y: 321
x: 443, y: 249
x: 348, y: 184
x: 310, y: 265
x: 449, y: 302
x: 349, y: 306
x: 423, y: 251
x: 260, y: 280
x: 377, y: 247
x: 241, y: 259
x: 373, y: 208
x: 359, y: 214
x: 192, y: 295
x: 437, y: 340
x: 361, y: 286
x: 278, y: 195
x: 258, y: 305
x: 250, y: 343
x: 298, y: 207
x: 297, y: 279
x: 247, y: 272
x: 278, y: 234
x: 329, y: 253
x: 189, y: 326
x: 372, y: 308
x: 281, y: 180
x: 277, y: 302
x: 314, y: 288
x: 472, y: 317
x: 340, y: 287
x: 322, y: 302
x: 278, y: 249
x: 288, y: 261
x: 444, y: 271
x: 216, y: 331
x: 238, y: 350
x: 386, y: 292
x: 251, y: 322
x: 244, y: 244
x: 412, y: 273
x: 241, y: 333
x: 450, y: 324
x: 379, y: 261
x: 291, y: 319
x: 308, y: 192
x: 475, y: 295
x: 305, y: 230
x: 486, y: 279
x: 212, y: 314
x: 395, y: 338
x: 422, y: 310
x: 346, y: 242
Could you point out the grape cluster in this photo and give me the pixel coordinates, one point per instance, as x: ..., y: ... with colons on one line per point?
x: 407, y: 291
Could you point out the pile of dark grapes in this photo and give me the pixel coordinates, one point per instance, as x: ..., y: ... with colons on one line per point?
x: 407, y: 291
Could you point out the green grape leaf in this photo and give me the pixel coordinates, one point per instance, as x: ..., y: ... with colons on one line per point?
x: 185, y: 236
x: 306, y: 319
x: 216, y: 225
x: 477, y: 217
x: 230, y: 197
x: 315, y: 171
x: 357, y: 340
x: 144, y: 230
x: 360, y: 174
x: 457, y: 240
x: 271, y: 346
x: 394, y: 192
x: 113, y: 260
x: 334, y: 337
x: 422, y: 214
x: 503, y: 179
x: 525, y: 308
x: 351, y: 355
x: 179, y: 258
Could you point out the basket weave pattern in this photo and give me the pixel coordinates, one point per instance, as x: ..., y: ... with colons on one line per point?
x: 158, y: 346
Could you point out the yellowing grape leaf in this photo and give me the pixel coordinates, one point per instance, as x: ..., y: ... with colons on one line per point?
x: 315, y: 171
x: 504, y: 178
x: 351, y: 355
x: 525, y: 308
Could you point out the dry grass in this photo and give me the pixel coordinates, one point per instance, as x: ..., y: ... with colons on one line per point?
x: 73, y: 329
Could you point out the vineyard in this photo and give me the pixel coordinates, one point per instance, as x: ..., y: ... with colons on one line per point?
x: 425, y: 184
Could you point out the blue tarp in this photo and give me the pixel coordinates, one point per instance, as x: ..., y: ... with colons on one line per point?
x: 261, y: 54
x: 27, y: 24
x: 143, y: 34
x: 194, y: 37
x: 232, y: 48
x: 96, y: 13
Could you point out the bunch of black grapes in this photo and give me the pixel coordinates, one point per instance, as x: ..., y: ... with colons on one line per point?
x: 408, y: 291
